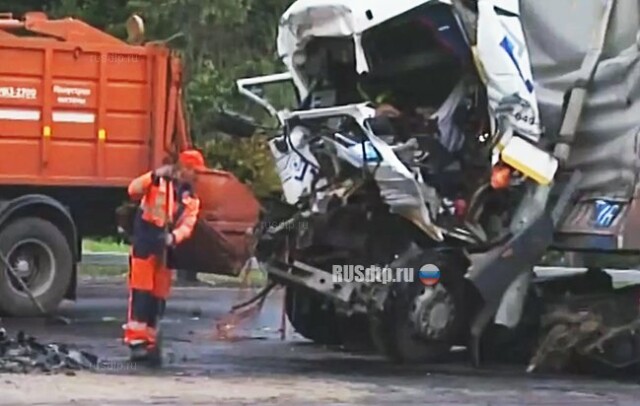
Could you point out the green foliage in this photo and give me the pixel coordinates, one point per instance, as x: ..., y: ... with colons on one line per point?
x: 104, y: 245
x: 220, y: 41
x: 249, y: 159
x: 106, y: 15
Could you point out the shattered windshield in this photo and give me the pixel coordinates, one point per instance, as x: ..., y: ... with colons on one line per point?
x: 415, y: 59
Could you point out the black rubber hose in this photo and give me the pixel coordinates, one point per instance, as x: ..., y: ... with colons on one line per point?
x: 262, y: 294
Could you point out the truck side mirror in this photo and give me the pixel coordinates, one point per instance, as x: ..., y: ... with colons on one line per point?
x: 235, y: 124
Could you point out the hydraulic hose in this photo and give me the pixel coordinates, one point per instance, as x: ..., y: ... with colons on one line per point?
x: 261, y: 295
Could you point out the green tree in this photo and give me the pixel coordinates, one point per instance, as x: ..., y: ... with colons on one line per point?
x: 220, y: 41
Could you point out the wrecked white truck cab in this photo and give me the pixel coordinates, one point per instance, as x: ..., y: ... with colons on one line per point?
x: 485, y: 124
x: 494, y: 42
x: 498, y: 45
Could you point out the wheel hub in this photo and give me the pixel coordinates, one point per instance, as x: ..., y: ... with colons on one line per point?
x: 434, y: 313
x: 33, y: 263
x: 23, y: 267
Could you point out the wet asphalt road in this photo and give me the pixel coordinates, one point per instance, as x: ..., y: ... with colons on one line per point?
x: 259, y: 357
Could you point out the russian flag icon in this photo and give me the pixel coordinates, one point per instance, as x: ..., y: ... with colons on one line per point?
x: 429, y: 275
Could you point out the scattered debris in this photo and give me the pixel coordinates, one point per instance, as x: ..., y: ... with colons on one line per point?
x: 25, y: 355
x: 596, y: 333
x: 226, y: 328
x: 196, y: 312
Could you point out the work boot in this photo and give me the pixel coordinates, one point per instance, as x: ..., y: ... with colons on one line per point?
x: 147, y: 347
x: 150, y: 354
x: 139, y: 351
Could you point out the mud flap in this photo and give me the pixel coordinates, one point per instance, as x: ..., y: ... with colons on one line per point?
x: 494, y: 272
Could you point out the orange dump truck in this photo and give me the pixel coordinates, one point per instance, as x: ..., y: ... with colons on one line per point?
x: 81, y: 114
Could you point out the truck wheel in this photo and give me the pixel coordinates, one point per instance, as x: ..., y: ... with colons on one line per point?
x: 41, y: 256
x: 395, y: 337
x: 417, y: 323
x: 311, y: 319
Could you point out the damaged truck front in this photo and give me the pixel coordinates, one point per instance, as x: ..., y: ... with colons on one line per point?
x: 470, y: 135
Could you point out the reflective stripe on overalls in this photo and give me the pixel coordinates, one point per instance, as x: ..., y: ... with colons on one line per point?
x: 158, y: 202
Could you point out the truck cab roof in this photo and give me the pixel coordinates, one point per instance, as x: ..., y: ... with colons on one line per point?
x: 306, y: 19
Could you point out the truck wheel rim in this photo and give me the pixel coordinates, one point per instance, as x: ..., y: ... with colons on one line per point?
x: 35, y: 263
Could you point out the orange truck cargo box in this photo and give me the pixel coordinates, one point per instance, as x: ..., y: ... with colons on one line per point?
x: 80, y: 108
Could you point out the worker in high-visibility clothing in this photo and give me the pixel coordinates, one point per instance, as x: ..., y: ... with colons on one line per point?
x: 165, y: 218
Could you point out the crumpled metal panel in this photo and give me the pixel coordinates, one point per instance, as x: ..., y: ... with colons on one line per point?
x: 403, y: 197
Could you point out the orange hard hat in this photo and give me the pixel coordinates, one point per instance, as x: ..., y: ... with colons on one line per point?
x: 193, y: 159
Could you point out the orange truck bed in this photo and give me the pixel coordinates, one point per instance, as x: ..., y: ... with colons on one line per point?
x: 80, y: 108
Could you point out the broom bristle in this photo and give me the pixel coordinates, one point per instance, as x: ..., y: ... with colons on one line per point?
x: 227, y: 327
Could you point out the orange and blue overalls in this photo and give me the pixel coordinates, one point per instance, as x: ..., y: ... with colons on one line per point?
x: 149, y: 277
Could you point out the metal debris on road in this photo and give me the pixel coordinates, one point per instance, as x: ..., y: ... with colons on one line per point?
x: 227, y: 327
x: 590, y: 334
x: 25, y: 355
x: 244, y: 312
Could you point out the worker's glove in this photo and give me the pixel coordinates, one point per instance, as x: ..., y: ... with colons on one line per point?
x: 165, y: 171
x: 169, y: 240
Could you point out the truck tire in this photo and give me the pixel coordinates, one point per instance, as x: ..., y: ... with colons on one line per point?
x: 393, y: 328
x: 311, y: 318
x: 38, y: 251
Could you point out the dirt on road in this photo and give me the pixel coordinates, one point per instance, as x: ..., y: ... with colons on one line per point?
x: 95, y: 389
